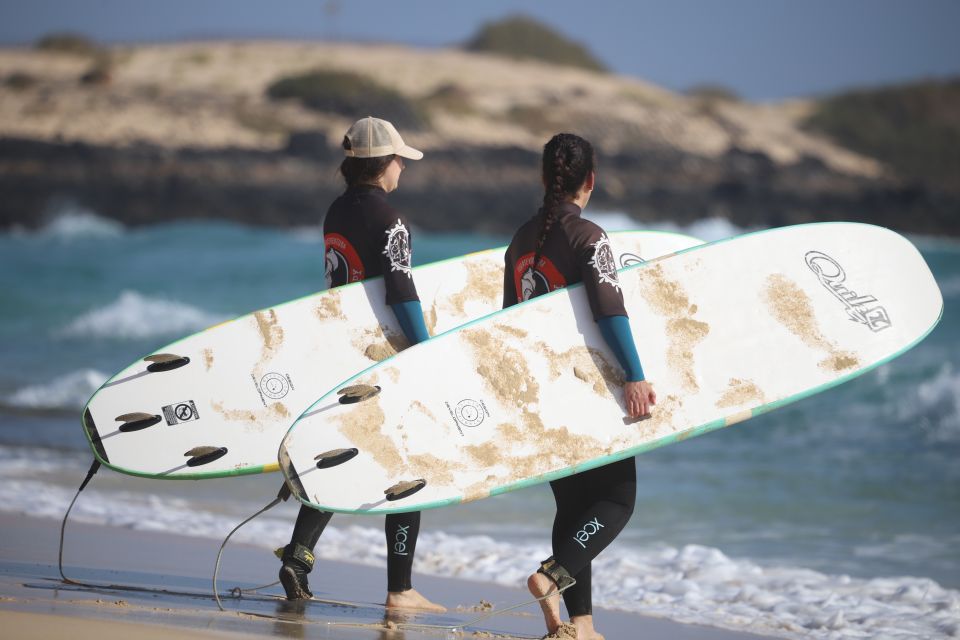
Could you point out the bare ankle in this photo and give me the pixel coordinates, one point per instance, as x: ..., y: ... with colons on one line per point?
x: 541, y: 585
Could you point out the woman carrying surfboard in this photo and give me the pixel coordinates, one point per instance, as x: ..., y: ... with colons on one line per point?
x: 554, y: 249
x: 365, y: 237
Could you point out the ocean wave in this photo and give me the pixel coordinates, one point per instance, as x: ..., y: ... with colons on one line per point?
x: 937, y: 405
x: 134, y: 315
x: 692, y: 584
x: 706, y: 229
x: 74, y: 223
x: 307, y: 235
x: 69, y: 391
x: 949, y: 287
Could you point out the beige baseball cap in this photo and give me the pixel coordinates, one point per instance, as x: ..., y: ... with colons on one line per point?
x: 373, y: 138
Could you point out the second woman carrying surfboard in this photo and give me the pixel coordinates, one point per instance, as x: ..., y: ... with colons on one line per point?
x: 554, y: 249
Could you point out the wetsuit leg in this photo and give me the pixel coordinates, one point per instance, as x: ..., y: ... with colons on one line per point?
x: 310, y: 524
x: 298, y: 555
x: 592, y: 509
x: 571, y: 496
x: 401, y: 530
x: 579, y: 597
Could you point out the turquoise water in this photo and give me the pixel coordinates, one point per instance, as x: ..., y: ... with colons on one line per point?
x: 861, y: 480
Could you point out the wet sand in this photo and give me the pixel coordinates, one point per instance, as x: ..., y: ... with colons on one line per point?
x: 172, y: 595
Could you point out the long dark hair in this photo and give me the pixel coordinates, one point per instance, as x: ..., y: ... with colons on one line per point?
x: 567, y: 162
x: 362, y: 170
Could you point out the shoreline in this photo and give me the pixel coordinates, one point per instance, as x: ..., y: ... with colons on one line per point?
x: 172, y: 577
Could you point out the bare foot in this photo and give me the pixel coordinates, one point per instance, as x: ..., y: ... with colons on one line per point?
x: 411, y: 599
x: 585, y: 630
x: 540, y: 585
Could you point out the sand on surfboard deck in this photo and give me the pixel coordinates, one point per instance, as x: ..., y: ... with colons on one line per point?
x: 225, y: 397
x: 725, y: 331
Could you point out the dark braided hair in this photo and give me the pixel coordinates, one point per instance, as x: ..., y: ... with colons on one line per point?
x: 567, y: 162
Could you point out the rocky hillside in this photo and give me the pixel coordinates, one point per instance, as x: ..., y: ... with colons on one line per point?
x: 188, y: 130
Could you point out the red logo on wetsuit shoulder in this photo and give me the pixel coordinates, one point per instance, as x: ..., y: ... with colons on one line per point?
x: 531, y: 282
x: 342, y: 263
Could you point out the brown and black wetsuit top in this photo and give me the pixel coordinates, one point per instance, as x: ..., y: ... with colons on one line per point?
x: 574, y: 250
x: 365, y: 237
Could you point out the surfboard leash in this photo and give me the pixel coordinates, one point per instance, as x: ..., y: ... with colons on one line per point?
x: 282, y: 496
x: 63, y: 525
x: 111, y: 587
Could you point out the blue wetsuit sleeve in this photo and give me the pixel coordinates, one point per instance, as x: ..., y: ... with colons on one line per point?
x: 410, y: 316
x: 616, y: 332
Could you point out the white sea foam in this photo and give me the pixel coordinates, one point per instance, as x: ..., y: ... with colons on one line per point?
x: 949, y: 287
x: 69, y: 391
x: 134, y: 315
x: 937, y: 405
x: 707, y: 229
x: 73, y: 223
x: 307, y: 235
x: 693, y: 584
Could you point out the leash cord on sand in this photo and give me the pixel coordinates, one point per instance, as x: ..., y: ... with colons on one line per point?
x: 282, y: 495
x: 236, y: 592
x: 63, y: 525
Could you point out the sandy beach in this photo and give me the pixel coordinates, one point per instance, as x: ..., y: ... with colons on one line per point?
x: 172, y: 594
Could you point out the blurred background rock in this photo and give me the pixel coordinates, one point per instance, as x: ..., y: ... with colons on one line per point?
x: 249, y: 130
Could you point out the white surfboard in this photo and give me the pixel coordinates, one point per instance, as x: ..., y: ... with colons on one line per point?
x: 725, y: 331
x: 217, y: 403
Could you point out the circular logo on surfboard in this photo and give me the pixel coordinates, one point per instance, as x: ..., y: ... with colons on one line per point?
x: 469, y: 413
x: 274, y: 385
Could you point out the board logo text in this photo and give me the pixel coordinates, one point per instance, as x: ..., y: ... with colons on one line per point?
x: 864, y: 309
x: 589, y: 529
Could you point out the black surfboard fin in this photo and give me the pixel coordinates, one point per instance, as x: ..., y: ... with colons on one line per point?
x: 333, y: 458
x: 204, y: 455
x: 137, y: 421
x: 404, y: 489
x: 165, y: 362
x: 357, y: 393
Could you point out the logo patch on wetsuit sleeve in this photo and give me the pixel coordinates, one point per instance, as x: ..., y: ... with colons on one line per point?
x: 604, y: 263
x: 342, y: 264
x: 530, y: 281
x: 398, y: 248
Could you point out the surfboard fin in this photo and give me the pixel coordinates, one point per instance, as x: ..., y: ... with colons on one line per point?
x: 403, y: 489
x: 165, y: 362
x: 137, y: 421
x: 357, y: 393
x: 335, y: 457
x: 204, y: 455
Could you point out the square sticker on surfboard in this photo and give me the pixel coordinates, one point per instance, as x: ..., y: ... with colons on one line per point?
x: 180, y: 412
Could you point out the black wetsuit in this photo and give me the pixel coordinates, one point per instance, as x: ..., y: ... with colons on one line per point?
x: 592, y: 506
x: 365, y: 237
